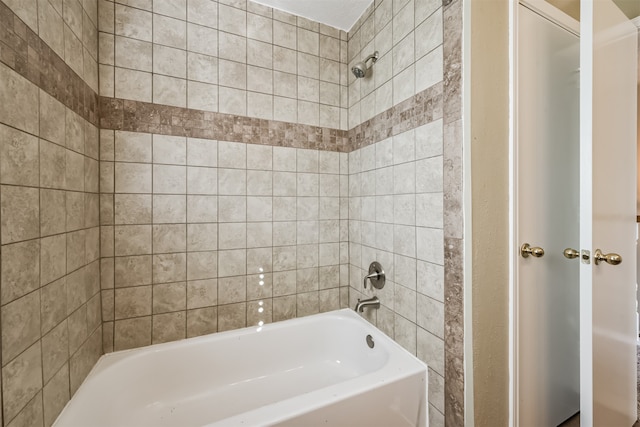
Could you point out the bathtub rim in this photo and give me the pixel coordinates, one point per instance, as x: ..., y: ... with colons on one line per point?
x: 399, y: 365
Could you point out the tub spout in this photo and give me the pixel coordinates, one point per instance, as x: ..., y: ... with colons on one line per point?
x: 369, y: 302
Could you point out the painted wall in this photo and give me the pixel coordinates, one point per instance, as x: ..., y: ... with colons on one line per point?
x: 490, y: 206
x: 49, y: 218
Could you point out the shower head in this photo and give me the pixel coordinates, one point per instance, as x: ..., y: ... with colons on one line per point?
x: 360, y: 68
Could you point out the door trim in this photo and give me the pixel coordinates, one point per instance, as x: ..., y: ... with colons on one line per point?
x: 551, y: 13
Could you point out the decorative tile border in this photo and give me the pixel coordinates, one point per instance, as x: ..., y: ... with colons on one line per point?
x: 26, y: 53
x: 136, y: 116
x: 418, y: 110
x: 453, y: 215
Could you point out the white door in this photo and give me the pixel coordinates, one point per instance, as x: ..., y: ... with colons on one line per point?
x: 548, y: 188
x: 608, y: 78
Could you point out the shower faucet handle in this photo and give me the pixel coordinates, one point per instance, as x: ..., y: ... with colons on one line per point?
x: 376, y: 276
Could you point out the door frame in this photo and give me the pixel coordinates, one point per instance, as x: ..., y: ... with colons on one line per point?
x: 553, y: 14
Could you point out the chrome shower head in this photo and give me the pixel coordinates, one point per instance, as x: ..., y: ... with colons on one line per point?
x: 360, y: 68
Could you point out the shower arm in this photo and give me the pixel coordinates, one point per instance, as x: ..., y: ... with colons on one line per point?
x: 373, y: 57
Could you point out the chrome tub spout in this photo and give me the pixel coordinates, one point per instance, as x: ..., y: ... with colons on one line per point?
x: 373, y: 302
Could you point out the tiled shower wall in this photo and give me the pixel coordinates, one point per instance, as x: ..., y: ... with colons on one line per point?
x: 233, y: 56
x: 49, y: 232
x: 404, y: 184
x: 395, y: 194
x: 205, y: 235
x: 201, y: 236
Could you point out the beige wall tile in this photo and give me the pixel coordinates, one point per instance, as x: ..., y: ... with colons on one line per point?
x: 176, y: 9
x: 131, y: 84
x: 20, y: 270
x: 284, y: 308
x: 202, y: 293
x: 169, y: 238
x: 107, y: 80
x: 19, y: 157
x: 202, y: 209
x: 21, y: 325
x: 202, y: 237
x: 132, y: 208
x: 169, y: 91
x: 232, y: 74
x: 202, y: 321
x: 169, y: 267
x: 53, y: 258
x: 169, y: 209
x: 27, y: 10
x: 133, y: 54
x: 52, y: 118
x: 132, y: 240
x: 202, y: 68
x: 107, y: 177
x: 202, y: 96
x: 55, y: 350
x: 20, y: 213
x: 169, y: 149
x: 53, y: 304
x: 202, y: 39
x: 202, y: 152
x: 232, y: 20
x: 232, y: 182
x: 23, y: 113
x: 132, y: 302
x: 132, y: 178
x: 76, y: 249
x: 75, y: 214
x: 74, y: 131
x: 169, y: 32
x: 133, y: 271
x: 232, y: 101
x: 232, y: 290
x: 134, y: 23
x: 55, y: 395
x: 169, y: 179
x: 232, y: 316
x: 85, y: 358
x: 169, y: 327
x: 284, y: 35
x: 21, y: 380
x: 74, y: 179
x: 202, y: 180
x: 203, y: 12
x: 259, y: 208
x: 131, y: 333
x: 132, y: 147
x: 169, y: 297
x: 202, y: 265
x: 31, y: 415
x: 76, y: 290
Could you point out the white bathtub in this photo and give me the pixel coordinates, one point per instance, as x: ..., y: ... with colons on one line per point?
x: 316, y: 370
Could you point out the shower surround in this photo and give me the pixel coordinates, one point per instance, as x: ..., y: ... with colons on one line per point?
x: 238, y: 160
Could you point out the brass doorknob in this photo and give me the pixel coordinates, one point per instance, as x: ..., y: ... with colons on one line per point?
x: 611, y: 259
x: 526, y: 250
x: 571, y: 253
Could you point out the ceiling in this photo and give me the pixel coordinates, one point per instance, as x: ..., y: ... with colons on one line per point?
x: 631, y: 8
x: 339, y: 14
x: 343, y: 14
